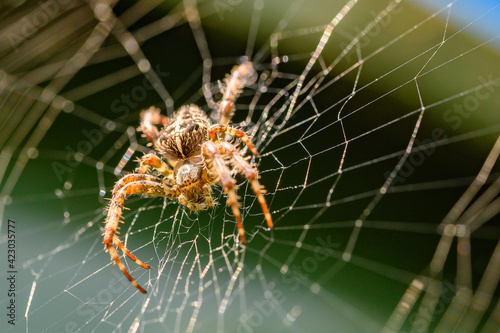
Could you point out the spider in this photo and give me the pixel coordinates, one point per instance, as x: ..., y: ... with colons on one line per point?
x: 197, y: 158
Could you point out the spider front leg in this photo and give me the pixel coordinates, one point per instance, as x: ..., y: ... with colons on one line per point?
x: 250, y: 172
x: 215, y: 163
x: 149, y: 119
x: 130, y: 184
x: 215, y: 159
x: 157, y: 163
x: 234, y: 83
x: 214, y: 129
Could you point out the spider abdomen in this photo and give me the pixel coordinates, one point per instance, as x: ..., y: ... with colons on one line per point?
x: 182, y: 138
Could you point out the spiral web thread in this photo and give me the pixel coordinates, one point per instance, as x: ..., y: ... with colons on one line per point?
x: 361, y: 150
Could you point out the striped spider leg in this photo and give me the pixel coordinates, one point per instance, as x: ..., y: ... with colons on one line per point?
x: 215, y: 153
x: 130, y: 184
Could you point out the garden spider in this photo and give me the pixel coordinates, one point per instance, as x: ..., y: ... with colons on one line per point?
x: 197, y: 158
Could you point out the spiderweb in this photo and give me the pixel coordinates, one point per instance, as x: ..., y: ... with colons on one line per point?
x: 377, y: 127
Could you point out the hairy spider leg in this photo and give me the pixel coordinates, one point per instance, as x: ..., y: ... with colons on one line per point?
x: 118, y: 242
x: 215, y: 162
x: 118, y: 186
x: 234, y: 84
x: 143, y: 184
x: 250, y: 172
x: 157, y: 163
x: 207, y: 194
x: 214, y: 129
x: 132, y: 177
x: 114, y: 255
x: 149, y: 119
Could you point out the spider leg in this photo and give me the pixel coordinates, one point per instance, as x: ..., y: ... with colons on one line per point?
x: 149, y: 119
x: 118, y: 243
x: 130, y: 184
x: 156, y: 162
x: 122, y: 267
x: 234, y: 83
x: 127, y: 179
x: 250, y: 172
x: 196, y: 206
x: 214, y: 129
x: 215, y: 162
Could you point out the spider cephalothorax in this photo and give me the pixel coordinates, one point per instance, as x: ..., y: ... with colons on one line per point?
x: 194, y: 157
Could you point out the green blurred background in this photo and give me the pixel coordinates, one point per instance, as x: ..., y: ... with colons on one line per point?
x: 58, y: 217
